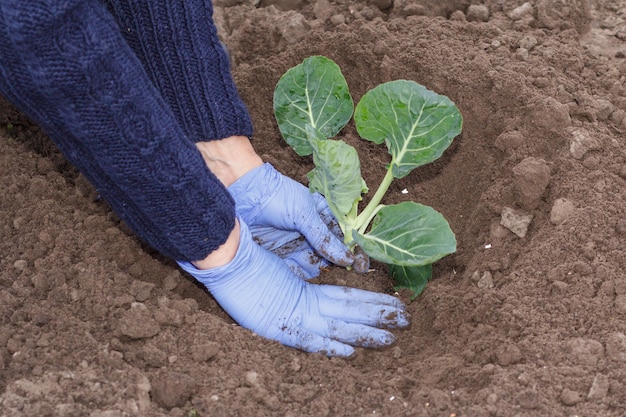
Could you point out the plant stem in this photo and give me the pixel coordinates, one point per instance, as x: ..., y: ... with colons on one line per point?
x: 366, y: 215
x: 347, y: 225
x: 367, y: 221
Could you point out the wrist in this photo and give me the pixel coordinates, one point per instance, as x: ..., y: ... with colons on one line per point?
x: 224, y: 254
x: 230, y: 158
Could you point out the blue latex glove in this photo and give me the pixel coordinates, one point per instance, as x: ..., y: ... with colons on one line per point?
x: 287, y: 219
x: 261, y: 293
x: 292, y: 248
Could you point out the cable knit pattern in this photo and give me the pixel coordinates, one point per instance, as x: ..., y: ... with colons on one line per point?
x: 178, y: 45
x: 66, y: 66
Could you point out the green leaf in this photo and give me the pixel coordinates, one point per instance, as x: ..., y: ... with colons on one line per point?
x: 408, y: 234
x: 416, y: 124
x: 337, y: 176
x: 413, y: 278
x: 313, y: 93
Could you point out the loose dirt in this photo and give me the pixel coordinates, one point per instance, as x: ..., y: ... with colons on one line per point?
x: 526, y: 319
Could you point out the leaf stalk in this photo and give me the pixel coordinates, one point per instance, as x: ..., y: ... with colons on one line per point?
x: 368, y: 213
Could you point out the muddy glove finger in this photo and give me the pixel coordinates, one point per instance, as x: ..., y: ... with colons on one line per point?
x: 327, y: 216
x: 292, y: 248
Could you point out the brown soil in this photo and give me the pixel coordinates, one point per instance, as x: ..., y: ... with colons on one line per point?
x: 93, y: 323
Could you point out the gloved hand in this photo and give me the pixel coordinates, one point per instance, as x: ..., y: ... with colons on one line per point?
x: 292, y: 248
x: 260, y: 292
x: 281, y: 212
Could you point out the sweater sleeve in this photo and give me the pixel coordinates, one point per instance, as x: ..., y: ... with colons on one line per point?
x: 66, y: 66
x: 178, y: 45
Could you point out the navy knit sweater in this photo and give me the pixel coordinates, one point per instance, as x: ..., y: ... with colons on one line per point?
x: 125, y: 89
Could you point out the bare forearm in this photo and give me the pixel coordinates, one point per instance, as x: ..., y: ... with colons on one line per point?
x: 229, y: 158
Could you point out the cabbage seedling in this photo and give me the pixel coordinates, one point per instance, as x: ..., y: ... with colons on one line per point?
x: 312, y: 103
